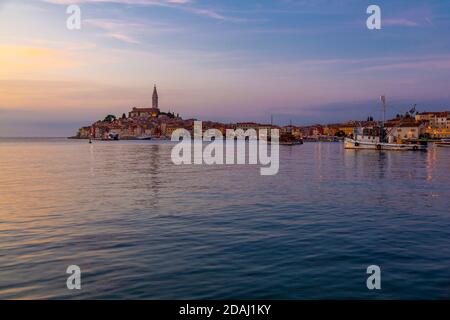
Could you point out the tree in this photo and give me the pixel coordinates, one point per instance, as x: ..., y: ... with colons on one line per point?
x: 110, y: 118
x: 340, y: 133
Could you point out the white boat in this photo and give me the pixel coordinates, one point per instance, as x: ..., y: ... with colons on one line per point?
x: 376, y: 138
x: 110, y: 137
x: 443, y: 143
x: 374, y: 143
x: 144, y: 138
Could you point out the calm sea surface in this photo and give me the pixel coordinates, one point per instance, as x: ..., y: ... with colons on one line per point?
x: 140, y: 227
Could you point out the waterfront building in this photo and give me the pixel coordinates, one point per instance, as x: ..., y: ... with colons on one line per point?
x: 84, y: 133
x: 290, y: 131
x: 348, y: 128
x: 251, y: 125
x: 436, y: 124
x: 214, y: 125
x: 167, y: 130
x: 246, y: 125
x: 435, y: 119
x: 312, y: 131
x: 267, y: 127
x: 403, y: 130
x: 331, y: 130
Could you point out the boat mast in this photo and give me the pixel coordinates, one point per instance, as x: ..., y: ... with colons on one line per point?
x: 383, y: 100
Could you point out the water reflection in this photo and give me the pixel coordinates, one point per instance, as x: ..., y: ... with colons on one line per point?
x: 141, y: 227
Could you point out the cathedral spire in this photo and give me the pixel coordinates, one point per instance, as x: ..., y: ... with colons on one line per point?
x: 155, y: 98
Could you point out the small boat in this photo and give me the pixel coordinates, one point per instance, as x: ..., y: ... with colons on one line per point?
x: 110, y: 137
x: 144, y: 138
x: 113, y: 136
x: 291, y: 143
x: 288, y: 139
x: 443, y: 143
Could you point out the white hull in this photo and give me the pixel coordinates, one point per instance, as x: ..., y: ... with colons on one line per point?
x: 144, y: 138
x: 443, y: 144
x: 353, y: 144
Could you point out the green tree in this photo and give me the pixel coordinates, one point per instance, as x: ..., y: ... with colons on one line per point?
x: 110, y: 118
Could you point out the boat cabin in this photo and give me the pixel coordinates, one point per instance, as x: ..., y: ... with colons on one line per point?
x: 367, y: 134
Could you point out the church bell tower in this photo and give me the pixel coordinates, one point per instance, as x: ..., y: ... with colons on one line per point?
x: 155, y: 98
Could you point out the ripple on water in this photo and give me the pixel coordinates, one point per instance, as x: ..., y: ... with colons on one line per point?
x: 140, y: 227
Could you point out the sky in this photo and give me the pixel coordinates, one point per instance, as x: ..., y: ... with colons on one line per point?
x: 300, y: 61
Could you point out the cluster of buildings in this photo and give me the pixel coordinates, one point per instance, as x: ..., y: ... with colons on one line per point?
x: 435, y: 124
x: 142, y: 123
x: 431, y: 125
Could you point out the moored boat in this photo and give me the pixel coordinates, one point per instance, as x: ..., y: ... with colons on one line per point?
x: 144, y: 138
x: 374, y: 143
x: 443, y: 143
x: 291, y: 143
x: 376, y: 138
x: 288, y: 139
x: 110, y: 137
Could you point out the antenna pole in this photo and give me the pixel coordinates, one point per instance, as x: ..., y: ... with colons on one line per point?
x: 383, y: 100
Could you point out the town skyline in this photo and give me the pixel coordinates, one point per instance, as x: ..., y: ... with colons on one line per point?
x: 146, y: 123
x: 298, y: 61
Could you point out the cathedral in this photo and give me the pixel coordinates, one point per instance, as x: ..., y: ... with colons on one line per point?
x: 147, y: 112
